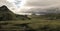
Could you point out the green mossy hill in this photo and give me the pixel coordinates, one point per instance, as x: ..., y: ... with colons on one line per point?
x: 6, y: 14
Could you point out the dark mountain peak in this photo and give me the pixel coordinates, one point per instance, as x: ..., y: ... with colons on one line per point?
x: 6, y: 14
x: 4, y: 8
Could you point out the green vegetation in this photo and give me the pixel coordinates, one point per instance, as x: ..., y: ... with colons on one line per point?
x: 22, y: 17
x: 50, y: 16
x: 33, y: 24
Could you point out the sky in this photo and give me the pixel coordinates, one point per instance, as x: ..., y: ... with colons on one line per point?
x: 25, y: 6
x: 39, y: 5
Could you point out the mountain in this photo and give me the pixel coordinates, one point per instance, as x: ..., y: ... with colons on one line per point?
x: 6, y: 14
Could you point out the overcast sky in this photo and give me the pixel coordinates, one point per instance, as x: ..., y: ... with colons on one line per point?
x: 39, y: 5
x: 32, y: 5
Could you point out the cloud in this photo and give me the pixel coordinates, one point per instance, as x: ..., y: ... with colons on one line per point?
x: 39, y: 5
x: 41, y: 2
x: 4, y: 2
x: 15, y: 2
